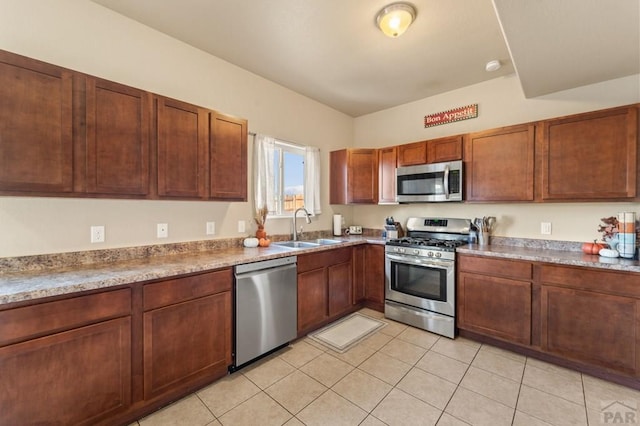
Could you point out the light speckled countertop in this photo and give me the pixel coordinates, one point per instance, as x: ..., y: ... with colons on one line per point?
x: 70, y: 273
x: 54, y: 281
x: 563, y: 257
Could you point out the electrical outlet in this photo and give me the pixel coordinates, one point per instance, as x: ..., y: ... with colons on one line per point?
x: 211, y: 228
x: 97, y: 234
x: 162, y: 230
x: 241, y: 226
x: 545, y: 228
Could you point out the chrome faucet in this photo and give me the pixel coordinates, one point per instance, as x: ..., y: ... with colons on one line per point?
x: 293, y: 219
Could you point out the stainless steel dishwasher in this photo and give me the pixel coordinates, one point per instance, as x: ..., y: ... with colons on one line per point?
x: 266, y: 313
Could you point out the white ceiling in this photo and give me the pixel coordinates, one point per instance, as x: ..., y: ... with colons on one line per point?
x: 331, y: 50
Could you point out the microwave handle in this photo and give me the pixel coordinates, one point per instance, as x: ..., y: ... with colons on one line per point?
x: 446, y: 181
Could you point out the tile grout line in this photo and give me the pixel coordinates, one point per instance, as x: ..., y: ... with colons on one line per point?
x: 444, y: 410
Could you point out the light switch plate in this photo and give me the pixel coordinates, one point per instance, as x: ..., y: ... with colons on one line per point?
x: 545, y: 228
x: 241, y: 226
x: 211, y: 228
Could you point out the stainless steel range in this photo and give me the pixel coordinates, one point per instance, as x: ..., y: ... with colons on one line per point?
x: 420, y: 273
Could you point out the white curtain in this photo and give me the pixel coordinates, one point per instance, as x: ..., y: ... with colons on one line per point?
x: 312, y: 180
x: 263, y: 173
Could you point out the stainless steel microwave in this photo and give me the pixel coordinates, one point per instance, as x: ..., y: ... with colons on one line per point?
x: 429, y: 183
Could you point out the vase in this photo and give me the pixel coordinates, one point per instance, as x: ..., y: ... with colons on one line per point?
x: 612, y: 242
x: 261, y: 233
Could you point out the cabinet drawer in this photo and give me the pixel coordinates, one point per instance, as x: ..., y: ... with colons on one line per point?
x: 46, y: 318
x: 308, y: 262
x: 168, y: 292
x: 497, y: 267
x: 620, y: 283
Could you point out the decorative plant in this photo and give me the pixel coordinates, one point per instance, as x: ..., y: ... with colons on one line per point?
x: 261, y: 215
x: 609, y: 228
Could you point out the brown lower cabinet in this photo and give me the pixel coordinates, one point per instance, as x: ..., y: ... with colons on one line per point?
x: 176, y: 351
x: 584, y: 318
x: 494, y: 297
x: 67, y: 361
x: 368, y: 276
x: 325, y: 287
x: 592, y: 316
x: 110, y: 357
x: 374, y: 276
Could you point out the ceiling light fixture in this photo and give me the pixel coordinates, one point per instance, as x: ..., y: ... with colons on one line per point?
x: 394, y: 19
x: 493, y: 66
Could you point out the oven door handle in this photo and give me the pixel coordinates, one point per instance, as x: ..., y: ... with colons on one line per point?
x: 404, y: 259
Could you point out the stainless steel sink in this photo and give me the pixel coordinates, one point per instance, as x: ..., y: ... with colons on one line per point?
x: 326, y: 241
x: 307, y: 243
x: 296, y: 244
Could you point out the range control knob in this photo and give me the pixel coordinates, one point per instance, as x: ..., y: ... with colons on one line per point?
x: 438, y: 254
x: 430, y: 254
x: 416, y: 251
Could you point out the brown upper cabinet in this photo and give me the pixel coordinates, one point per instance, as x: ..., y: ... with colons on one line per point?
x: 499, y: 164
x: 36, y: 126
x: 430, y: 151
x: 387, y: 175
x: 228, y: 158
x: 444, y: 149
x: 118, y: 121
x: 354, y: 176
x: 412, y: 154
x: 182, y: 143
x: 65, y: 133
x: 590, y: 156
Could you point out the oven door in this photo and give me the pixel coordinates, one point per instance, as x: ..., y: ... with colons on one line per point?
x: 421, y: 282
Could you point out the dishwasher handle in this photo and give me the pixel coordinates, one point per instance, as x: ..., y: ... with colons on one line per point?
x: 246, y: 268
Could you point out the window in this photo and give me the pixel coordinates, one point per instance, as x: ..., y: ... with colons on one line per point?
x: 288, y: 170
x: 286, y: 177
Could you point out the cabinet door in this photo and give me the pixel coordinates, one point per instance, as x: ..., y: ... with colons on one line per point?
x: 374, y: 275
x: 117, y: 120
x: 444, y: 149
x: 312, y: 299
x: 590, y: 156
x: 182, y: 141
x: 340, y: 287
x: 362, y: 172
x: 587, y: 326
x: 36, y: 146
x: 228, y: 158
x: 387, y: 175
x: 359, y: 268
x: 496, y: 307
x: 76, y: 377
x: 499, y: 164
x: 353, y: 176
x: 176, y: 352
x: 338, y: 176
x: 411, y: 154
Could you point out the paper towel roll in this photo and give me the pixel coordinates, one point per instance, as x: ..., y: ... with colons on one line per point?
x: 337, y: 224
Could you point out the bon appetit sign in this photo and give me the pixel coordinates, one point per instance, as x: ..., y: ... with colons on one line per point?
x: 456, y: 114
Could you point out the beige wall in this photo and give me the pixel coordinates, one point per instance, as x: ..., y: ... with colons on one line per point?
x: 500, y: 103
x: 84, y: 36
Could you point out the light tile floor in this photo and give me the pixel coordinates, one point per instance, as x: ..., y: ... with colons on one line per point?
x: 403, y: 376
